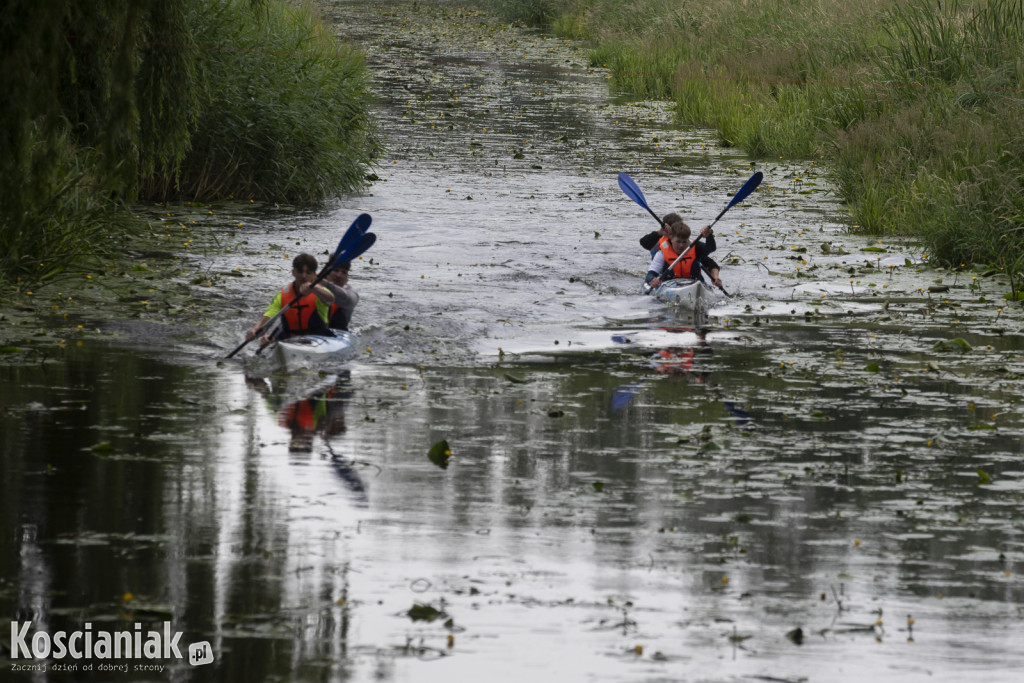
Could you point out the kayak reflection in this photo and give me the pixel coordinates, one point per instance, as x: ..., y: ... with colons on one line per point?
x: 320, y: 414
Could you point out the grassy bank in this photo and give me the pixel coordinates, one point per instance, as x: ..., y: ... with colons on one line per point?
x: 124, y: 100
x: 917, y: 107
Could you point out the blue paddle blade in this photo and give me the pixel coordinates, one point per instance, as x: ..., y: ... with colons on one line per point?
x: 355, y: 251
x: 623, y: 396
x: 747, y: 188
x: 632, y: 190
x: 352, y: 236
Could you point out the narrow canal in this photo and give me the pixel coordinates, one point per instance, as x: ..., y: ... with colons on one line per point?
x: 820, y: 480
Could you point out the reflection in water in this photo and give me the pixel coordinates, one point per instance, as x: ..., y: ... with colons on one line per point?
x: 681, y: 533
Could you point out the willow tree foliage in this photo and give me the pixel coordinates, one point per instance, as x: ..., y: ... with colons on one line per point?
x: 108, y: 101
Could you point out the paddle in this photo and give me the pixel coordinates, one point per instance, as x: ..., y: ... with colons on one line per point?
x: 352, y: 253
x: 632, y: 191
x: 352, y: 236
x: 742, y: 194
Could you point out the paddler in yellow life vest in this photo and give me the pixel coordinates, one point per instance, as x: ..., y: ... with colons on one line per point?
x: 309, y: 314
x: 674, y: 244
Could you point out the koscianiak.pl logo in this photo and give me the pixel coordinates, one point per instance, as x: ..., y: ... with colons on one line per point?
x: 89, y: 650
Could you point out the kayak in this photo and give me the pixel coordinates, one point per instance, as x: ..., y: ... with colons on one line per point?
x: 686, y: 293
x: 312, y: 349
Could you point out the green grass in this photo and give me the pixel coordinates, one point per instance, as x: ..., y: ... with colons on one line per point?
x: 916, y: 106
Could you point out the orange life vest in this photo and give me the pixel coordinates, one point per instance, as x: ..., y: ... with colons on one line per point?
x: 674, y: 361
x: 302, y: 317
x: 299, y: 415
x: 685, y: 266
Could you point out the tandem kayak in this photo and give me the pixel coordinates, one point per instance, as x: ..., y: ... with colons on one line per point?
x: 692, y: 295
x: 314, y: 349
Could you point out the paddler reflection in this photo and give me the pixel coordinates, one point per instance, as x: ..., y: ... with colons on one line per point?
x: 321, y: 413
x: 685, y: 362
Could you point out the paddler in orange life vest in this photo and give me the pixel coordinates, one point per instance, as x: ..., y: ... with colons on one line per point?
x: 309, y: 314
x: 674, y: 244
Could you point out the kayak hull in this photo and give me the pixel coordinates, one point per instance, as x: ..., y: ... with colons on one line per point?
x: 692, y: 295
x: 311, y: 349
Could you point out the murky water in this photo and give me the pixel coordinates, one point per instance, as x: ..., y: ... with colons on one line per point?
x: 629, y: 495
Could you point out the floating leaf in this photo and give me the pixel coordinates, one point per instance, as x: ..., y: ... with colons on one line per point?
x: 958, y: 344
x: 103, y: 448
x: 440, y: 453
x: 876, y: 249
x: 514, y: 379
x: 981, y: 425
x: 10, y: 349
x: 983, y: 477
x: 420, y: 612
x: 598, y: 486
x: 873, y: 367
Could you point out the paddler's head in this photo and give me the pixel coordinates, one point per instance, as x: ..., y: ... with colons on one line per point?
x: 339, y: 276
x: 304, y: 268
x: 668, y: 220
x: 679, y: 236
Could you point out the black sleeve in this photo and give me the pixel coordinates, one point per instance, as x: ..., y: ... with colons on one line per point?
x: 709, y: 244
x: 649, y: 240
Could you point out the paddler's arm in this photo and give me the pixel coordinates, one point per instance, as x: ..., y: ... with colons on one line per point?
x: 709, y: 239
x: 272, y: 310
x: 321, y: 292
x: 717, y: 281
x: 251, y: 333
x: 654, y: 271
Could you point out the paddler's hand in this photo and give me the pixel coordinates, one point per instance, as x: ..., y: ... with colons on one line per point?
x: 705, y: 232
x: 250, y: 334
x: 655, y: 283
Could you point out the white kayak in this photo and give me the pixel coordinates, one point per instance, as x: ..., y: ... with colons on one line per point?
x: 692, y: 295
x: 312, y: 350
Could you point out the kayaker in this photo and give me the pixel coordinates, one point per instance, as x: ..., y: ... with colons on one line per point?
x: 650, y: 240
x: 308, y: 315
x: 676, y: 243
x: 345, y: 297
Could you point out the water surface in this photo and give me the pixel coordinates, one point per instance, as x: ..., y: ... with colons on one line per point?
x: 630, y: 494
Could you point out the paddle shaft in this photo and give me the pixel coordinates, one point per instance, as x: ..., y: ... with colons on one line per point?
x: 274, y: 319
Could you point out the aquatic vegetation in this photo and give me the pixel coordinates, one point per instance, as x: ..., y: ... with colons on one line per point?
x: 192, y: 99
x: 283, y: 111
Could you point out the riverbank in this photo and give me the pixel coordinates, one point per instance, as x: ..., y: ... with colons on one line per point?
x: 222, y: 102
x: 914, y: 108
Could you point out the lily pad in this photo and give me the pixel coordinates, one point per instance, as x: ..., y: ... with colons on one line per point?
x: 958, y: 344
x: 420, y: 612
x: 440, y: 453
